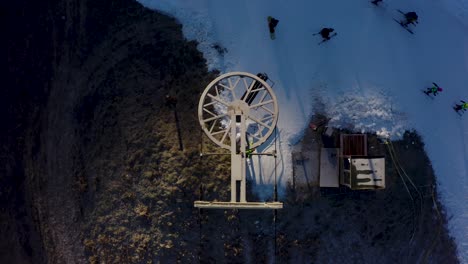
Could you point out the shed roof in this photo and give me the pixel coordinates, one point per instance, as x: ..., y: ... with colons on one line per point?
x: 353, y: 144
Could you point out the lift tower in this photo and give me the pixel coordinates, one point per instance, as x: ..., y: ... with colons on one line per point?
x: 238, y: 111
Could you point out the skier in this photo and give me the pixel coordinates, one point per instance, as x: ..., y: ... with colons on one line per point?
x: 411, y: 18
x: 434, y: 89
x: 463, y: 106
x: 376, y: 2
x: 325, y: 32
x: 272, y: 23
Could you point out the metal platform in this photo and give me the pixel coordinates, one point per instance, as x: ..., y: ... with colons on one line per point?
x: 238, y: 205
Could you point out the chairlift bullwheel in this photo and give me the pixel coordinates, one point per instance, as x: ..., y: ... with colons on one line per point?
x: 248, y: 94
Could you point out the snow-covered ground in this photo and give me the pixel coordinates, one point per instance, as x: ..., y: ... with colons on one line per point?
x: 368, y: 78
x: 459, y: 8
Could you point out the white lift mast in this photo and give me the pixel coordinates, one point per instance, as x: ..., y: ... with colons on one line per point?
x: 238, y: 111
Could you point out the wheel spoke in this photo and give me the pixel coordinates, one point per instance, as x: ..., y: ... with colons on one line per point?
x: 258, y: 89
x: 213, y: 125
x: 246, y: 85
x: 213, y: 118
x: 259, y: 122
x: 209, y: 112
x: 217, y: 99
x: 233, y: 94
x: 263, y: 96
x: 235, y: 84
x: 224, y: 86
x: 255, y: 136
x: 218, y: 132
x: 209, y: 104
x: 268, y: 117
x: 231, y: 89
x: 266, y: 109
x: 262, y: 103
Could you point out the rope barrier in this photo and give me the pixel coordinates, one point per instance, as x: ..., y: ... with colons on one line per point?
x: 407, y: 189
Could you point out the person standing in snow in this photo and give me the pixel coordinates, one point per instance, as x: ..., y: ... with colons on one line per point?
x: 434, y: 90
x: 325, y: 33
x: 411, y: 18
x: 272, y: 23
x: 463, y: 106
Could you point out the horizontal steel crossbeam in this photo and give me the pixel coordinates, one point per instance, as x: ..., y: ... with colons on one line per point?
x: 238, y: 205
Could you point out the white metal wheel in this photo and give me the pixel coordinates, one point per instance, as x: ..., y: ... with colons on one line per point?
x: 246, y: 93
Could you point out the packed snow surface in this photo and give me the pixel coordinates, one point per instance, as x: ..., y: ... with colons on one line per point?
x: 368, y: 78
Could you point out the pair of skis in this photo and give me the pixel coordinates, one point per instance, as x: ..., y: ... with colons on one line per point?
x: 403, y: 25
x: 458, y: 108
x: 325, y: 40
x: 398, y: 21
x: 428, y: 93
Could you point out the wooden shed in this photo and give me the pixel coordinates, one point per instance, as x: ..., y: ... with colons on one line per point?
x: 357, y: 169
x: 363, y: 172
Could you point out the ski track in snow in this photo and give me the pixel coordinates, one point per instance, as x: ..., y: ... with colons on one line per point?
x: 367, y: 78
